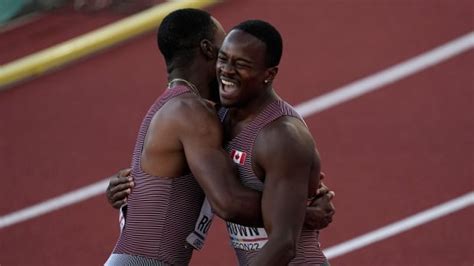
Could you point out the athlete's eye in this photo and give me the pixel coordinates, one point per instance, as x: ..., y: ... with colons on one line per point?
x: 240, y: 65
x: 221, y: 58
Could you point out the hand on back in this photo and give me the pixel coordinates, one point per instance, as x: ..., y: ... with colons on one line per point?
x: 120, y: 186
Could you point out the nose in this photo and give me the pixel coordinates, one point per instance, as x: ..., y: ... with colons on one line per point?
x: 226, y: 68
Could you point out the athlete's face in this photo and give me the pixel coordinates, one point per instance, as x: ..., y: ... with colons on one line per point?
x: 241, y: 69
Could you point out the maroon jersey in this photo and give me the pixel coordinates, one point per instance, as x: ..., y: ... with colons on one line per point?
x: 248, y: 240
x: 161, y: 211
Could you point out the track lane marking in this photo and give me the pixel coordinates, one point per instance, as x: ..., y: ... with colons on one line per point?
x: 387, y: 76
x: 313, y: 106
x: 55, y: 203
x: 401, y: 226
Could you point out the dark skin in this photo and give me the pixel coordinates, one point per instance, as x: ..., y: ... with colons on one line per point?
x: 285, y: 158
x: 186, y: 134
x: 319, y: 212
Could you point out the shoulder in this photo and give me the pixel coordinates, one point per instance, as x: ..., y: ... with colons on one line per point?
x: 190, y: 108
x: 286, y: 129
x: 288, y: 137
x: 193, y: 117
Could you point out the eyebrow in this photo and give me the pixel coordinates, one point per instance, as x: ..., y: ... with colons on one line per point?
x: 238, y: 59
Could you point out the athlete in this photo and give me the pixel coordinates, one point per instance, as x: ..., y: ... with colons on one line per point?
x: 271, y: 146
x: 170, y: 138
x: 179, y: 154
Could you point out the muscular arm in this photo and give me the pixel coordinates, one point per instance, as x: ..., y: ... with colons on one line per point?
x: 285, y: 154
x: 201, y: 136
x: 318, y: 214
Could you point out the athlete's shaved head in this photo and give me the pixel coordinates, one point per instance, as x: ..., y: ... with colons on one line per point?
x: 268, y: 35
x: 182, y: 31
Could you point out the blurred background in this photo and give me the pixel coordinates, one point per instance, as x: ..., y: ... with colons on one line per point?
x: 395, y: 141
x: 20, y: 9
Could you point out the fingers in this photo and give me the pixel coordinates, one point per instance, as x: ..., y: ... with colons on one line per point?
x: 115, y: 181
x: 329, y: 208
x: 124, y: 172
x: 322, y: 176
x: 322, y: 191
x: 331, y: 194
x: 322, y: 187
x: 119, y: 192
x: 120, y: 185
x: 317, y: 218
x: 119, y: 203
x: 324, y: 203
x: 119, y: 198
x: 327, y: 202
x: 329, y: 212
x: 210, y: 103
x: 121, y: 177
x: 120, y: 189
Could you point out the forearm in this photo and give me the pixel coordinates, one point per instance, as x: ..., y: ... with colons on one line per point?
x: 229, y: 199
x: 276, y: 252
x: 245, y: 207
x: 239, y: 205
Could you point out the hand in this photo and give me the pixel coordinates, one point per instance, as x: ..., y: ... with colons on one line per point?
x: 320, y: 211
x: 119, y: 188
x: 212, y: 105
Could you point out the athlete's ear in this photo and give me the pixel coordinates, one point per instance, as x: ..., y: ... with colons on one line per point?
x: 270, y: 74
x: 208, y: 49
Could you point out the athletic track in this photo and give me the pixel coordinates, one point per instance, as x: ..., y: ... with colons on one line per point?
x: 389, y: 154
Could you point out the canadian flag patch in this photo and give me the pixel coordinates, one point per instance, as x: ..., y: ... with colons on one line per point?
x: 238, y: 156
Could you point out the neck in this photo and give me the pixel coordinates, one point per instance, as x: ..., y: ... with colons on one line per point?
x: 250, y: 110
x: 194, y: 75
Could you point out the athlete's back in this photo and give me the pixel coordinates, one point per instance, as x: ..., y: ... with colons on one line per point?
x: 166, y: 199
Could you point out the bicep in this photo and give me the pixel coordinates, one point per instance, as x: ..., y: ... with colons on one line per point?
x: 287, y: 158
x: 201, y: 138
x: 284, y: 205
x: 209, y: 164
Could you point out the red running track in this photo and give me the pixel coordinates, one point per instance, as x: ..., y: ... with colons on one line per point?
x: 388, y: 154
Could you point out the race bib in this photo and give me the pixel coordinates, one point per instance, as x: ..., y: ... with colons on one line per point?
x: 198, y: 236
x: 245, y: 237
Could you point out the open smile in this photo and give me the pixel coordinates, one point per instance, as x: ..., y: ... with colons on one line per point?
x: 229, y: 88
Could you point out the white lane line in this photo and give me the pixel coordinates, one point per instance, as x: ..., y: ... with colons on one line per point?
x: 401, y: 226
x: 387, y: 76
x: 56, y: 203
x: 308, y: 108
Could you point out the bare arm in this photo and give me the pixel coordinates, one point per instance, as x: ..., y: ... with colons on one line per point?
x: 285, y: 152
x: 318, y: 214
x: 212, y: 167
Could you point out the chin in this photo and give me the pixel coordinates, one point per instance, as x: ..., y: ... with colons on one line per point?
x: 227, y: 103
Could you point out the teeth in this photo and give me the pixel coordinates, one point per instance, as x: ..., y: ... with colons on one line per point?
x: 227, y: 83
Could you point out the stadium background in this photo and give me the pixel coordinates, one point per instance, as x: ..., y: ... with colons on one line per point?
x: 389, y: 154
